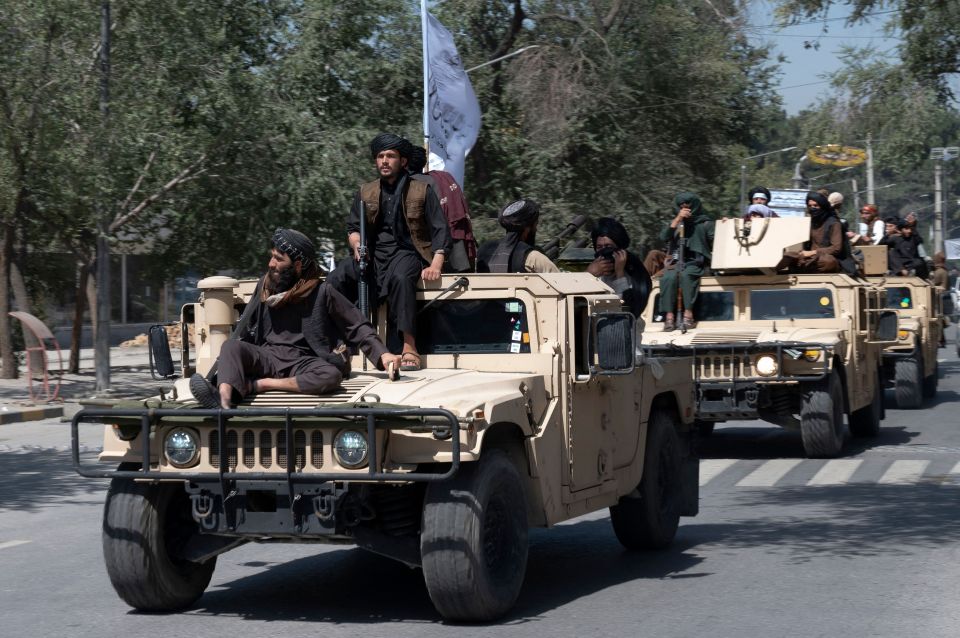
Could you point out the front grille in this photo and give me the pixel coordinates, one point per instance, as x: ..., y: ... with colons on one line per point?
x: 272, y: 446
x: 724, y: 366
x: 732, y: 336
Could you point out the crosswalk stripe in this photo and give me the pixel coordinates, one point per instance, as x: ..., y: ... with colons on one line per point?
x: 9, y: 544
x: 835, y: 472
x: 903, y: 472
x: 953, y: 476
x: 769, y: 473
x: 710, y: 468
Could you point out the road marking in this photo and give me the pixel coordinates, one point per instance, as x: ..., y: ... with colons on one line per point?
x: 769, y: 473
x: 953, y: 476
x: 903, y: 472
x: 9, y: 544
x: 711, y: 468
x: 835, y: 472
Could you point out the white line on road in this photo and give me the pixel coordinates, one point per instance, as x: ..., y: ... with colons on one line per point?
x: 836, y: 472
x: 903, y: 472
x: 9, y: 544
x: 769, y: 473
x: 711, y: 468
x: 953, y: 476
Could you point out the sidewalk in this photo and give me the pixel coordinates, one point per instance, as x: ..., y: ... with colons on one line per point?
x: 129, y: 377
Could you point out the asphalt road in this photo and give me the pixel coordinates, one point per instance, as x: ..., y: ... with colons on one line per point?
x: 867, y: 545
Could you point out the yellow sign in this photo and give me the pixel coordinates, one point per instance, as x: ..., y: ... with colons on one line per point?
x: 836, y: 155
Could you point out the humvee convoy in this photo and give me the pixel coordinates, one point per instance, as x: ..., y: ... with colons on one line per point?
x: 540, y: 400
x: 533, y: 408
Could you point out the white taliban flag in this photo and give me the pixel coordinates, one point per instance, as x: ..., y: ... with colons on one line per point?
x: 453, y: 113
x: 953, y: 248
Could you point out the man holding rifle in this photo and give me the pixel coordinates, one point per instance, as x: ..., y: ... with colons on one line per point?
x: 689, y: 239
x: 407, y: 235
x: 516, y: 252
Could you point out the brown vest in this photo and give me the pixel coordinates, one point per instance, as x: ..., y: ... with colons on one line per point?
x: 413, y: 205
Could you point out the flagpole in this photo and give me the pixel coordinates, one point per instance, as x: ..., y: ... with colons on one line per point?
x: 426, y: 80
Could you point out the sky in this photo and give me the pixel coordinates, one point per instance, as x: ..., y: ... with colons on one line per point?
x: 802, y: 75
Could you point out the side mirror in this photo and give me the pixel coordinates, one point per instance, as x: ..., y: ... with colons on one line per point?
x: 886, y: 326
x: 614, y: 343
x: 161, y: 361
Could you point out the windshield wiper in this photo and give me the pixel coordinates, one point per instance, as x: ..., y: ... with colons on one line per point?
x: 461, y: 282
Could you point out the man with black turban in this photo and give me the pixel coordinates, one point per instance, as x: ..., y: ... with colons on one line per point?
x: 407, y: 235
x: 696, y: 229
x: 618, y: 268
x: 288, y: 336
x: 827, y: 246
x: 516, y: 252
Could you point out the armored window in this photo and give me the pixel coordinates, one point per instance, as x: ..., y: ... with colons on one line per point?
x: 712, y: 305
x: 474, y: 326
x: 796, y: 303
x: 899, y: 298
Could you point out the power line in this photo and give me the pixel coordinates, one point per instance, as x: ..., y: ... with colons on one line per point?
x: 780, y: 25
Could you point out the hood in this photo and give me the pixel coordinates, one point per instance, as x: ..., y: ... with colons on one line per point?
x: 745, y: 335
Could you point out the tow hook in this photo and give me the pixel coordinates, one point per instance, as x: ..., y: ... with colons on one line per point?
x: 324, y: 506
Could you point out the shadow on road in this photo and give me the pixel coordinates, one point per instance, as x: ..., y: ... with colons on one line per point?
x: 44, y: 478
x: 773, y: 442
x: 849, y: 521
x: 354, y: 586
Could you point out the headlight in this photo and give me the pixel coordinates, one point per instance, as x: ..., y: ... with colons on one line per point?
x: 812, y: 355
x: 350, y: 448
x: 181, y: 448
x: 903, y: 335
x: 766, y: 365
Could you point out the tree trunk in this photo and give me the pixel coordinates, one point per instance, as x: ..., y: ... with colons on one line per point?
x: 22, y: 302
x: 9, y: 368
x: 76, y: 334
x: 101, y: 352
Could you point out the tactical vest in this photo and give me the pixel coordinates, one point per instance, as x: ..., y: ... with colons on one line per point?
x: 518, y: 258
x: 413, y: 204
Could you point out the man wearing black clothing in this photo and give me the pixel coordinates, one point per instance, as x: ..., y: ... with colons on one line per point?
x: 407, y: 235
x: 288, y: 335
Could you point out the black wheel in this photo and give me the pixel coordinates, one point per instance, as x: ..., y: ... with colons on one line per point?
x: 648, y: 517
x: 821, y: 418
x: 144, y: 528
x: 907, y: 383
x: 865, y: 422
x: 930, y: 383
x: 473, y: 540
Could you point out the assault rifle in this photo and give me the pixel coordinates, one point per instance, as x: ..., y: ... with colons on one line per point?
x: 552, y: 248
x: 362, y: 291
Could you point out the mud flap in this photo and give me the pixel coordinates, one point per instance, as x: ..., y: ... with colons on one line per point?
x: 690, y: 502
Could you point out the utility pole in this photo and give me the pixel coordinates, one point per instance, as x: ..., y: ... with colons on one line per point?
x: 102, y: 332
x: 870, y: 195
x: 856, y: 197
x: 937, y: 206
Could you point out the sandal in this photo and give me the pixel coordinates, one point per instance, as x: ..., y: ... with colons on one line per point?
x: 409, y: 361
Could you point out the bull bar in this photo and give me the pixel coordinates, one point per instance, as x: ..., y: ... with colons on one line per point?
x: 152, y: 416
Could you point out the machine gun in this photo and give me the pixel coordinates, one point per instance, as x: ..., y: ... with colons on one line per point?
x: 552, y: 248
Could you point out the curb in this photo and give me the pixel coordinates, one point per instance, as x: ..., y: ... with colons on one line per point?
x: 30, y: 414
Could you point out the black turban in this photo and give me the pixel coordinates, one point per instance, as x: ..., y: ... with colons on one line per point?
x: 611, y: 228
x: 390, y: 142
x: 896, y: 221
x: 825, y: 208
x: 417, y: 159
x: 517, y: 215
x: 295, y: 245
x: 759, y: 190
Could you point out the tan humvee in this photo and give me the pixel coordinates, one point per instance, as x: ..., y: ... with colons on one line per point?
x: 910, y: 365
x: 534, y: 407
x: 799, y: 351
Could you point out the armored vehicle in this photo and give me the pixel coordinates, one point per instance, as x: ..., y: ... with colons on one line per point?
x: 910, y: 364
x: 800, y: 351
x: 533, y: 408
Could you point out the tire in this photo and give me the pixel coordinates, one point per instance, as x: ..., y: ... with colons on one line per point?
x: 473, y: 540
x: 930, y: 383
x: 907, y: 384
x: 821, y: 418
x: 648, y: 517
x: 143, y: 526
x: 865, y: 422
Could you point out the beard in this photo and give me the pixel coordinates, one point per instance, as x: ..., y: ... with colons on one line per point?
x: 282, y: 280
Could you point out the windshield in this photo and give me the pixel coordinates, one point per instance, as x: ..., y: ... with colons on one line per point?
x: 797, y: 303
x: 899, y: 298
x: 473, y: 326
x: 713, y: 305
